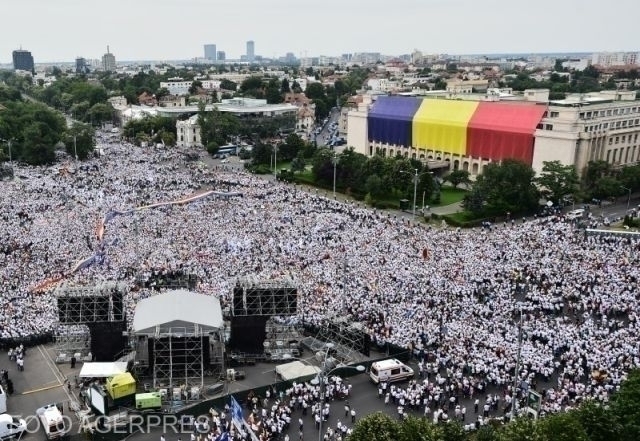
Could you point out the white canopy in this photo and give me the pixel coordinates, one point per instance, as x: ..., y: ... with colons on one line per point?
x: 102, y: 370
x: 175, y: 309
x: 296, y: 369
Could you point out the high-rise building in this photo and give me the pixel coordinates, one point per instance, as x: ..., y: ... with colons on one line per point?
x: 251, y: 51
x: 108, y: 62
x: 222, y: 56
x: 23, y: 60
x: 210, y: 52
x: 82, y: 67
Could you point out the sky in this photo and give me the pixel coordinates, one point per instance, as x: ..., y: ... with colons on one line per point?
x: 61, y: 30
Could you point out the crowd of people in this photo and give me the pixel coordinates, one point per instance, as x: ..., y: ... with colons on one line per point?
x: 458, y: 296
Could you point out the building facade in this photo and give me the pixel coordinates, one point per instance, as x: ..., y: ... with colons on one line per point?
x: 108, y: 62
x: 467, y: 135
x: 23, y: 60
x: 251, y: 51
x: 210, y: 52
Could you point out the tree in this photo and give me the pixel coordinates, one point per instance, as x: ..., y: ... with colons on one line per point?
x: 195, y: 86
x: 298, y: 164
x: 440, y: 84
x: 508, y: 187
x: 562, y: 427
x: 373, y: 186
x: 458, y: 177
x: 212, y: 148
x: 315, y: 91
x: 557, y: 181
x: 39, y: 144
x: 226, y: 84
x: 99, y: 113
x: 524, y: 429
x: 375, y: 427
x: 419, y: 429
x: 626, y: 407
x: 599, y: 423
x: 80, y: 140
x: 284, y: 86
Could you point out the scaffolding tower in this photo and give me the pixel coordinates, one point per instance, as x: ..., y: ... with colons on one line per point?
x: 253, y: 297
x: 70, y: 340
x: 178, y: 358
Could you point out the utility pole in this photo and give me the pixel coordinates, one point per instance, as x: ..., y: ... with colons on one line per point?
x: 275, y: 162
x: 415, y: 190
x: 335, y: 162
x: 514, y: 399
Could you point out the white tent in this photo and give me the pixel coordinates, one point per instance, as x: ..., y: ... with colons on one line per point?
x: 296, y: 369
x: 102, y: 370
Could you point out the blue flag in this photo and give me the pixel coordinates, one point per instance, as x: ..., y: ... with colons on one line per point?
x: 236, y: 410
x: 224, y: 436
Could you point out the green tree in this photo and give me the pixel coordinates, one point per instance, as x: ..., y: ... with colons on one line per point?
x: 557, y: 181
x: 315, y: 91
x: 599, y: 422
x: 626, y: 407
x: 522, y: 429
x: 212, y: 147
x: 375, y: 427
x: 38, y: 144
x: 373, y: 186
x: 453, y: 431
x: 80, y: 140
x: 419, y: 429
x: 606, y: 187
x: 195, y: 86
x: 508, y: 187
x: 226, y: 84
x: 458, y: 177
x: 562, y: 427
x: 440, y: 84
x: 100, y: 112
x: 298, y: 164
x: 217, y: 126
x: 284, y: 86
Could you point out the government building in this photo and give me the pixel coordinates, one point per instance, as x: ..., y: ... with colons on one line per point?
x: 453, y: 131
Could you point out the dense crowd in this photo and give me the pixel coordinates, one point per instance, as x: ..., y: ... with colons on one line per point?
x: 454, y: 295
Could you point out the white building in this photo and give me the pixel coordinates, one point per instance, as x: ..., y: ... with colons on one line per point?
x: 596, y: 126
x: 188, y: 132
x: 181, y: 87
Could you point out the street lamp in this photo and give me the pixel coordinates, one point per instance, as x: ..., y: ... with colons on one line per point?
x: 415, y: 188
x: 416, y: 178
x: 335, y: 162
x: 75, y: 149
x: 275, y: 162
x: 628, y: 197
x: 517, y: 372
x: 8, y: 141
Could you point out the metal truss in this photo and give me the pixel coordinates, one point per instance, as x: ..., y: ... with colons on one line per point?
x: 252, y: 296
x: 348, y: 340
x: 71, y: 340
x: 79, y: 305
x: 178, y: 358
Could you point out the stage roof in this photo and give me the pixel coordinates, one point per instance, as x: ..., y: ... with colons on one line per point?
x: 296, y: 369
x: 176, y: 310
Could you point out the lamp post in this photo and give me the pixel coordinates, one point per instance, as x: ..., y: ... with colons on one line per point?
x: 8, y: 141
x: 628, y: 196
x: 517, y: 372
x: 335, y: 163
x: 415, y: 188
x: 75, y: 149
x: 275, y: 162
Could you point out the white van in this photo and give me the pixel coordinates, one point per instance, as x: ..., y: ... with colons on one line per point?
x: 575, y: 214
x: 11, y: 427
x: 390, y: 370
x: 52, y: 421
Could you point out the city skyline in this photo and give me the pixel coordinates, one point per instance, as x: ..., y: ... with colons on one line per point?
x: 72, y: 29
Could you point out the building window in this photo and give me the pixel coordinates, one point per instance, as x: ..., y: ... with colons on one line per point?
x: 608, y: 112
x: 624, y: 137
x: 617, y: 140
x: 610, y: 141
x: 555, y: 114
x: 539, y: 126
x: 548, y: 126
